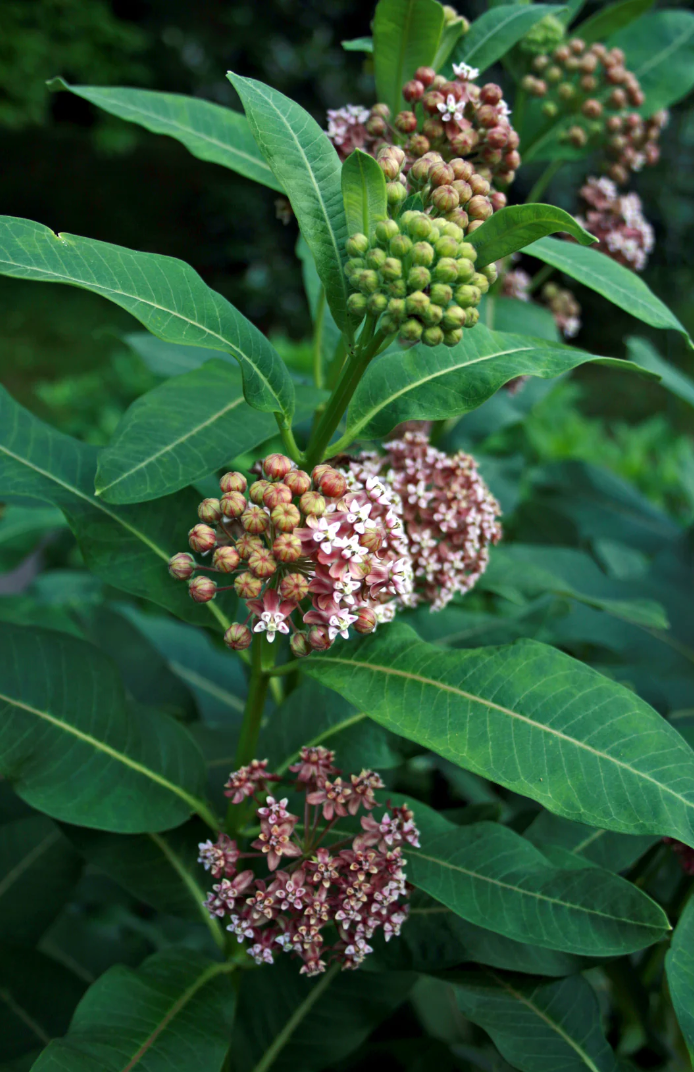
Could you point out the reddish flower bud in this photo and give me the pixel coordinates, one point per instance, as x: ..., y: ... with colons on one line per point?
x: 318, y: 638
x: 371, y: 540
x: 202, y: 538
x: 479, y: 208
x: 332, y: 484
x: 233, y: 503
x: 453, y: 89
x: 276, y: 494
x: 255, y: 520
x: 313, y: 503
x: 300, y: 645
x: 182, y: 566
x: 418, y: 145
x: 294, y: 587
x: 238, y: 637
x: 486, y: 116
x: 298, y: 481
x: 588, y: 83
x: 262, y: 563
x: 366, y: 620
x: 202, y: 589
x: 406, y: 122
x: 592, y: 109
x: 425, y: 75
x: 617, y: 99
x: 512, y: 160
x: 431, y: 101
x: 276, y: 466
x: 497, y: 199
x: 433, y: 129
x: 257, y: 490
x: 463, y: 170
x: 287, y: 547
x: 413, y: 90
x: 441, y: 174
x: 491, y: 93
x: 226, y: 559
x: 233, y: 482
x: 246, y: 544
x: 498, y: 137
x: 478, y: 184
x: 444, y: 199
x: 389, y: 166
x: 248, y: 586
x: 209, y: 511
x: 381, y: 109
x: 285, y: 517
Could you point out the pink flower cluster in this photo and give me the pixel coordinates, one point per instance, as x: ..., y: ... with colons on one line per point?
x: 450, y: 516
x: 347, y: 128
x: 351, y: 887
x: 617, y: 220
x: 516, y: 284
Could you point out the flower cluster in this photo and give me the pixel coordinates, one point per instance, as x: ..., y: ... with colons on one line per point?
x: 685, y: 853
x: 347, y: 128
x: 564, y: 308
x: 417, y: 274
x: 618, y: 222
x: 451, y: 517
x: 334, y: 544
x: 516, y: 284
x: 592, y: 88
x: 326, y: 901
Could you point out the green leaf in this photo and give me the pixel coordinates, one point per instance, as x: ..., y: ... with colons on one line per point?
x: 327, y: 337
x: 22, y: 528
x: 406, y: 35
x: 618, y: 284
x: 179, y: 432
x: 613, y: 852
x: 522, y: 318
x: 174, y: 1012
x: 163, y: 293
x: 128, y: 546
x: 166, y: 358
x: 437, y: 382
x: 305, y: 162
x: 496, y: 31
x: 31, y: 850
x: 530, y: 718
x: 610, y: 19
x: 363, y: 193
x: 537, y: 1026
x: 514, y: 227
x: 492, y: 877
x: 358, y: 44
x: 679, y: 967
x: 207, y: 130
x: 71, y: 748
x: 645, y: 354
x: 37, y: 1002
x: 659, y: 51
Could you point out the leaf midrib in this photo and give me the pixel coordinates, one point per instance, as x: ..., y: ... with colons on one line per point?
x: 665, y: 52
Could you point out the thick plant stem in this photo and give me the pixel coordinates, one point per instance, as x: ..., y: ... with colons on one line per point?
x: 288, y: 441
x: 543, y: 181
x: 255, y: 702
x: 318, y: 340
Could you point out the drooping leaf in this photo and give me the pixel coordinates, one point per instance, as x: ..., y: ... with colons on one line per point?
x: 173, y: 1012
x: 406, y: 35
x: 516, y: 226
x: 363, y: 193
x: 614, y: 852
x: 537, y: 1026
x: 659, y: 50
x: 304, y: 161
x: 358, y: 44
x: 671, y: 378
x: 207, y: 130
x: 437, y: 382
x: 127, y: 546
x: 32, y: 852
x: 163, y: 293
x: 530, y: 718
x: 71, y: 747
x: 496, y: 31
x: 679, y: 967
x: 610, y: 19
x: 523, y: 318
x: 39, y: 996
x: 615, y: 282
x: 22, y: 528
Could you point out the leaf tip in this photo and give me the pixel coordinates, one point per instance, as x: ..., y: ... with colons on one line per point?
x: 55, y: 85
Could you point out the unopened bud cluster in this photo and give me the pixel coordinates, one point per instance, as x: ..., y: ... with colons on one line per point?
x: 418, y: 276
x: 591, y: 85
x: 618, y: 222
x: 564, y: 308
x: 330, y: 897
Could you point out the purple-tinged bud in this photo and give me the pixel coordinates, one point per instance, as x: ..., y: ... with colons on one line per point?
x: 318, y: 638
x: 376, y: 126
x: 255, y: 520
x: 433, y: 129
x: 238, y: 637
x: 419, y: 172
x: 276, y: 466
x: 592, y: 109
x: 262, y: 564
x: 294, y: 587
x: 577, y: 136
x: 226, y: 559
x: 491, y: 93
x: 247, y: 544
x: 248, y: 586
x: 202, y: 589
x: 287, y: 547
x: 444, y: 199
x: 441, y: 174
x: 366, y: 620
x: 276, y: 494
x: 233, y: 482
x: 182, y: 566
x: 479, y: 208
x: 233, y: 503
x: 487, y: 116
x: 425, y: 75
x: 479, y: 185
x: 459, y: 217
x: 285, y: 517
x: 356, y: 246
x: 299, y: 645
x: 413, y: 90
x: 431, y: 101
x: 332, y: 483
x: 381, y: 109
x: 588, y: 83
x: 312, y: 504
x: 389, y: 166
x: 406, y: 122
x: 497, y: 137
x: 257, y: 490
x: 298, y: 481
x: 617, y: 99
x: 577, y: 45
x: 209, y: 511
x: 417, y: 146
x: 202, y: 539
x: 497, y: 199
x: 512, y: 160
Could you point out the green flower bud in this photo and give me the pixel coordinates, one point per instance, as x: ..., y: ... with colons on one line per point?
x: 400, y: 246
x: 396, y: 289
x: 432, y: 336
x: 420, y: 227
x: 417, y: 303
x: 354, y: 265
x: 406, y: 219
x: 445, y: 271
x: 468, y: 251
x: 441, y: 293
x: 471, y: 317
x: 566, y: 91
x: 391, y: 268
x: 452, y: 338
x: 444, y: 199
x: 366, y: 281
x: 376, y: 304
x: 385, y: 230
x: 447, y: 246
x: 375, y: 258
x: 422, y: 253
x: 452, y: 229
x: 418, y: 277
x: 550, y: 109
x: 466, y: 270
x: 491, y: 271
x: 357, y: 245
x: 466, y: 296
x: 453, y: 318
x: 481, y: 282
x: 397, y: 311
x: 389, y: 166
x: 432, y: 315
x: 411, y: 331
x: 396, y: 193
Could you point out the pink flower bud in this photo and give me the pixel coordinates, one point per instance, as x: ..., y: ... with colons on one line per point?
x: 202, y: 589
x: 366, y: 620
x: 298, y: 481
x: 462, y: 169
x: 285, y: 517
x: 238, y: 637
x: 257, y: 490
x: 202, y: 538
x: 276, y: 466
x: 262, y: 563
x: 318, y: 638
x: 312, y: 503
x: 247, y: 544
x: 413, y: 90
x: 247, y: 586
x: 425, y: 75
x: 226, y: 559
x: 332, y: 484
x: 406, y: 122
x: 491, y: 93
x: 479, y: 208
x: 209, y: 510
x: 182, y: 566
x: 294, y: 587
x: 233, y: 482
x: 233, y: 503
x: 444, y: 199
x: 275, y: 494
x: 431, y: 101
x: 255, y: 520
x: 287, y: 547
x: 441, y: 174
x: 300, y: 645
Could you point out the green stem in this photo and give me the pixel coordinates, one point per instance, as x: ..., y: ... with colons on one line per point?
x: 318, y: 339
x: 543, y: 181
x: 252, y: 716
x: 540, y: 277
x: 285, y: 668
x: 288, y: 441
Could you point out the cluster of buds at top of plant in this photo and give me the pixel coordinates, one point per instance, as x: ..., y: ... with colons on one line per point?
x: 326, y: 548
x: 618, y: 222
x: 455, y: 118
x: 329, y: 898
x: 418, y: 275
x: 591, y: 84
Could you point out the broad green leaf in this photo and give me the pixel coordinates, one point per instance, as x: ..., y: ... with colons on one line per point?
x: 492, y: 877
x: 327, y: 337
x: 618, y: 284
x: 437, y: 382
x: 570, y: 573
x: 523, y: 318
x: 613, y: 852
x: 22, y: 528
x: 514, y: 227
x: 38, y: 998
x: 163, y: 293
x: 25, y: 610
x: 310, y: 1024
x: 679, y: 966
x: 570, y: 11
x: 644, y: 353
x: 71, y: 747
x: 537, y: 1026
x: 174, y: 1012
x: 363, y: 193
x: 178, y: 432
x: 496, y: 31
x: 358, y: 44
x: 406, y: 35
x: 450, y: 35
x: 207, y: 130
x: 610, y: 19
x: 659, y: 50
x: 304, y: 161
x: 530, y: 718
x: 166, y: 358
x: 127, y: 546
x: 32, y: 853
